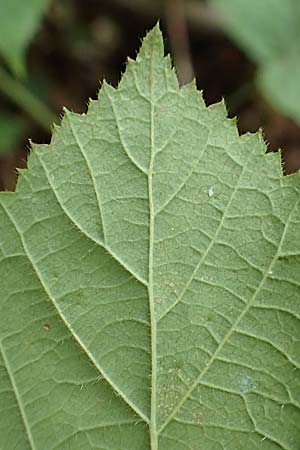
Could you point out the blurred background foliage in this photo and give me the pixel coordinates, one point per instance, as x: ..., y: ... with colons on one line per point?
x: 54, y: 53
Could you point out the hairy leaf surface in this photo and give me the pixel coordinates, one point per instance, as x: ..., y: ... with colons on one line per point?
x: 269, y: 32
x: 149, y: 265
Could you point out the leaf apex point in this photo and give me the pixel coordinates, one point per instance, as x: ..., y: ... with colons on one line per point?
x: 152, y: 40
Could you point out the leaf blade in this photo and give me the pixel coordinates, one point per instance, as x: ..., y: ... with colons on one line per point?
x: 167, y: 330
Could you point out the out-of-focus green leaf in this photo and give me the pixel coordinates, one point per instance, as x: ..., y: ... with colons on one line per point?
x: 269, y: 31
x: 19, y: 21
x: 10, y: 132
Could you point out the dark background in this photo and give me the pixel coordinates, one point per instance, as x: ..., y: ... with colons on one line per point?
x: 81, y: 42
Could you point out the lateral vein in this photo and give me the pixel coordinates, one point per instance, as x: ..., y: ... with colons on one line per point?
x: 69, y: 327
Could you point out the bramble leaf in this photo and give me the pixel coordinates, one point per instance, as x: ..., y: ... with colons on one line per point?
x: 149, y: 265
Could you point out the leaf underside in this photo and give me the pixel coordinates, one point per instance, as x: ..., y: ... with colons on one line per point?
x: 149, y: 266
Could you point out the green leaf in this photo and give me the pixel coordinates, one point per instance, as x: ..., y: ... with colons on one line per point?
x: 149, y: 266
x: 269, y: 32
x: 19, y: 21
x: 11, y: 131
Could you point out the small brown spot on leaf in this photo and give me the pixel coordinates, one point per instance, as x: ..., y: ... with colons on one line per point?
x: 46, y: 326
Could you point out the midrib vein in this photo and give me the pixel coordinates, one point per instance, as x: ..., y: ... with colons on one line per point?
x: 153, y: 419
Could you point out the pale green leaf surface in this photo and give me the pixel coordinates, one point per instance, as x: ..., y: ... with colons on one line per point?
x: 149, y: 265
x: 269, y: 31
x: 19, y: 21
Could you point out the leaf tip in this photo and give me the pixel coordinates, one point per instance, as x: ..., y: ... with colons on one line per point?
x: 152, y: 44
